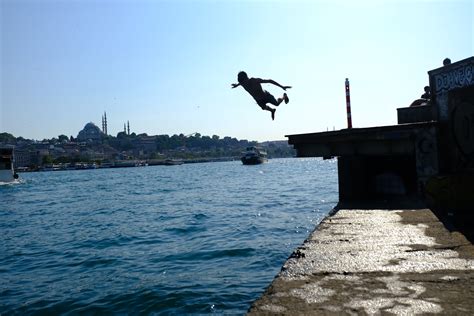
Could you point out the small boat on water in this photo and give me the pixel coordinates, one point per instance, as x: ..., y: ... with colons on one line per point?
x: 254, y: 156
x: 124, y: 164
x: 172, y: 162
x: 7, y: 173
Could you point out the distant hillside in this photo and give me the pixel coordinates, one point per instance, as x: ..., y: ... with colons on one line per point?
x: 65, y: 149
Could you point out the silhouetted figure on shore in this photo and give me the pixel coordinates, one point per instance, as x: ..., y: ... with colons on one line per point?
x: 425, y: 98
x: 427, y: 94
x: 254, y: 87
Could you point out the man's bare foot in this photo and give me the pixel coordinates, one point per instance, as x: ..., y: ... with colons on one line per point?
x: 285, y: 97
x: 273, y: 114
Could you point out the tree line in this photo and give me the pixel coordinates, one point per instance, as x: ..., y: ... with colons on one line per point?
x: 210, y: 145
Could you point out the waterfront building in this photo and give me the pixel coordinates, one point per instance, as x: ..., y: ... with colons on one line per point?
x: 22, y: 157
x: 145, y: 145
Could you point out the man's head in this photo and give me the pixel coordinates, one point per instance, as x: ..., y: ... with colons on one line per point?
x: 242, y: 76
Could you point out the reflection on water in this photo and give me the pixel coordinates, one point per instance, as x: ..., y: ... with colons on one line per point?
x: 194, y: 238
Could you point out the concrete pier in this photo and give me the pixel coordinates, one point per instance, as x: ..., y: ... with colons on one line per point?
x: 382, y: 258
x: 375, y: 262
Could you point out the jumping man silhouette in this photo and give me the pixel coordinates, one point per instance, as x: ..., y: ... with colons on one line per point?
x: 254, y: 87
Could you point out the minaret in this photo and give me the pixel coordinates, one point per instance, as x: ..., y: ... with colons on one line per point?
x: 128, y: 127
x: 103, y: 126
x: 124, y: 128
x: 105, y: 123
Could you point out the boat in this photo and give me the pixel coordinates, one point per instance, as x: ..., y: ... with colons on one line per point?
x: 254, y: 156
x: 7, y: 173
x: 124, y: 164
x: 172, y: 162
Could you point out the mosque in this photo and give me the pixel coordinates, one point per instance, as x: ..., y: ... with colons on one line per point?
x: 92, y: 133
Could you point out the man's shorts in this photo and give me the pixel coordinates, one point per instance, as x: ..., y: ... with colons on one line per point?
x: 268, y: 99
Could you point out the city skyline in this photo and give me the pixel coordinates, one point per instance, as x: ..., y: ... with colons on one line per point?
x: 168, y: 66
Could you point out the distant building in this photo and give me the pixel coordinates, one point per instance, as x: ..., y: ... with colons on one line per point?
x: 23, y: 157
x: 145, y: 145
x: 90, y: 133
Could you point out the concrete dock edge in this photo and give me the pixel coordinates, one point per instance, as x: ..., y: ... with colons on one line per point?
x: 375, y: 261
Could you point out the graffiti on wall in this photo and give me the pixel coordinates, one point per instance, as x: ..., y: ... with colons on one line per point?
x: 463, y: 127
x: 456, y: 78
x: 459, y: 77
x: 426, y: 151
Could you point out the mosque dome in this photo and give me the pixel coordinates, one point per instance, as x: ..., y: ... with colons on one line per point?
x: 90, y: 132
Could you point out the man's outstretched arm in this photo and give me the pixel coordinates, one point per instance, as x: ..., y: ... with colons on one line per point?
x: 275, y: 83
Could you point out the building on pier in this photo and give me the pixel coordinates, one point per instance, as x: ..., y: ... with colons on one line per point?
x: 428, y: 155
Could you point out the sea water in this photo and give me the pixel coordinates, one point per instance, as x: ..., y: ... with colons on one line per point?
x: 190, y: 239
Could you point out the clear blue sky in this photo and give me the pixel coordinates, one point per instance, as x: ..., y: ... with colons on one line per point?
x: 167, y: 66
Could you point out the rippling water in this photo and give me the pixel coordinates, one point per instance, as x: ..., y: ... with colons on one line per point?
x: 196, y: 238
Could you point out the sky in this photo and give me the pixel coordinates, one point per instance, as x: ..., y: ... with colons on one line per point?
x: 167, y: 66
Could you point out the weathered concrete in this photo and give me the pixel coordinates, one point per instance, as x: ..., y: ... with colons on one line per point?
x: 375, y: 261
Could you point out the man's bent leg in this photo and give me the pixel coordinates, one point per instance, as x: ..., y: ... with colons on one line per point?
x: 267, y: 108
x: 271, y: 99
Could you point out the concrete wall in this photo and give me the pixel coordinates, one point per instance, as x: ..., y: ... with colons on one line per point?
x: 376, y: 177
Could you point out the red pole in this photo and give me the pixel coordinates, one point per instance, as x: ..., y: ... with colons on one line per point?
x: 348, y: 104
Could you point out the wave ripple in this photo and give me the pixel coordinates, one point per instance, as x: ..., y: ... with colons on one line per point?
x: 192, y: 239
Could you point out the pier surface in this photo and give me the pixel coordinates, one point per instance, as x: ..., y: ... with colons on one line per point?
x: 372, y: 262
